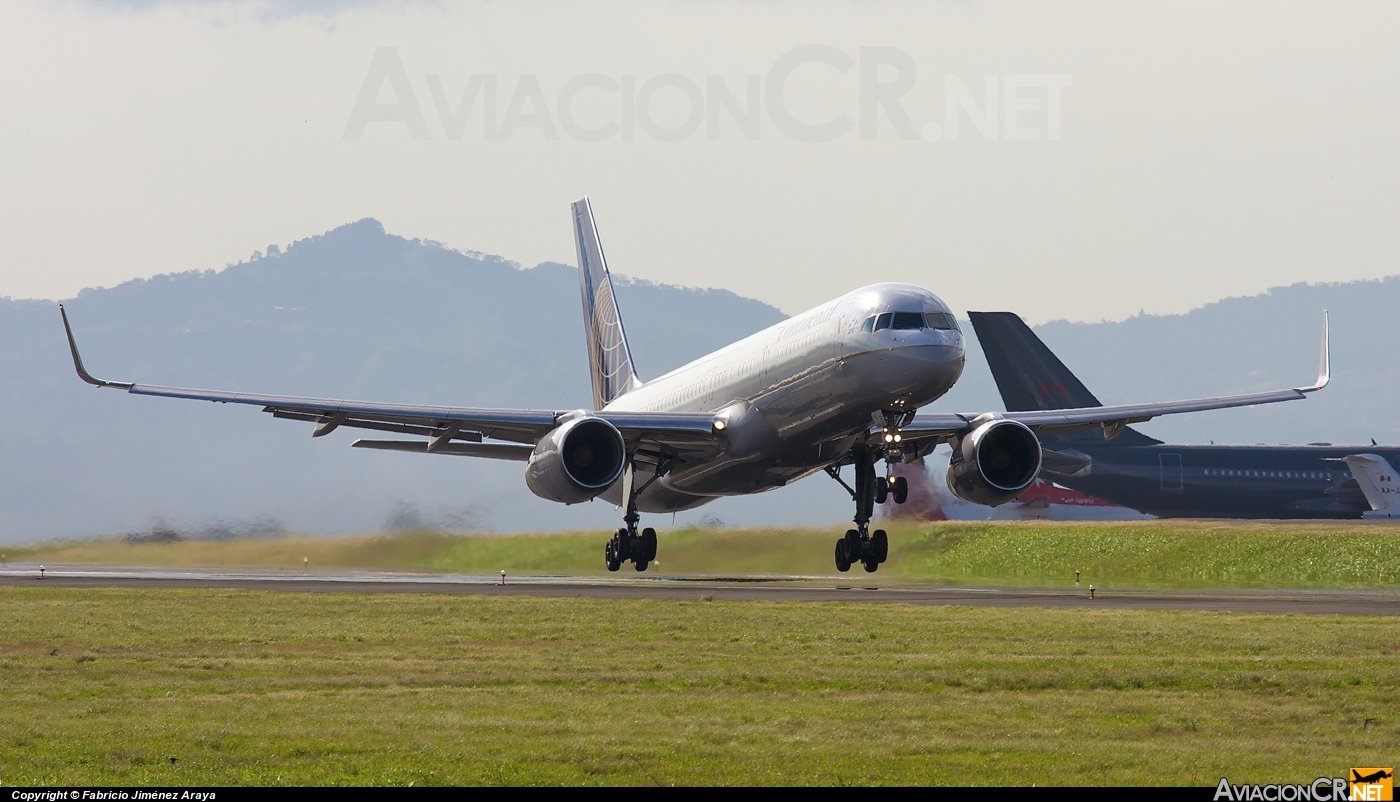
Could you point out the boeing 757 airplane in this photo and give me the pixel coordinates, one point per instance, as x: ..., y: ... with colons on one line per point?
x: 837, y: 385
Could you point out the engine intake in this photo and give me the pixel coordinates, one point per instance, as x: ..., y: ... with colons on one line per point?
x: 995, y: 463
x: 576, y: 461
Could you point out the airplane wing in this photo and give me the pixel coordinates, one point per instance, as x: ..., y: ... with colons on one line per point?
x: 450, y: 430
x: 931, y: 429
x: 656, y: 436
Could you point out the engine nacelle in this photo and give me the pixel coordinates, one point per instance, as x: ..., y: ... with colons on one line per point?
x: 577, y: 461
x: 995, y: 463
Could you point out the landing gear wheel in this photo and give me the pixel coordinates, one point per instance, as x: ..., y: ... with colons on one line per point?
x: 882, y: 490
x: 879, y: 547
x: 628, y: 546
x: 843, y: 559
x: 870, y: 565
x: 853, y: 547
x: 900, y: 490
x: 617, y: 551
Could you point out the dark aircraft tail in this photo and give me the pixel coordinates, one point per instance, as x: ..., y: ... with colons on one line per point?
x: 1031, y: 377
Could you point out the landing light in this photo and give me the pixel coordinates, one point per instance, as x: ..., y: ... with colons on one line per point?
x: 719, y: 425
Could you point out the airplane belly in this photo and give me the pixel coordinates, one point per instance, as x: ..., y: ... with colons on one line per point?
x: 739, y: 477
x: 659, y: 496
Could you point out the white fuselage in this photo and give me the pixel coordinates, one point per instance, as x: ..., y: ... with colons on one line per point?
x: 797, y: 394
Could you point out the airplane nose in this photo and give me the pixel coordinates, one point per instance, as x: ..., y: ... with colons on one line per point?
x: 918, y: 374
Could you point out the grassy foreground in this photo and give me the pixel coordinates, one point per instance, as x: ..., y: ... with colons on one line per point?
x: 106, y: 686
x: 1041, y: 553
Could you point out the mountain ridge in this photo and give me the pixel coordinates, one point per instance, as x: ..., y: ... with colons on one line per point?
x: 357, y: 312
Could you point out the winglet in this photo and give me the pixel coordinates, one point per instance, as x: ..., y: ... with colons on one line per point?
x: 78, y: 360
x: 1324, y: 364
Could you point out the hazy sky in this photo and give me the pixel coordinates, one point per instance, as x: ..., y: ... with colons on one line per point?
x: 1128, y: 157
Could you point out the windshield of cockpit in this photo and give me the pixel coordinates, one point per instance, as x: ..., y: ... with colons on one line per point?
x: 910, y: 320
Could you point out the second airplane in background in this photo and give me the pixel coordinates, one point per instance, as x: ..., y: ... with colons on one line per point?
x: 1176, y: 480
x: 833, y: 386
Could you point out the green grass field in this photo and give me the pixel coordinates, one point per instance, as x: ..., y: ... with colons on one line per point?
x: 106, y: 686
x: 1040, y: 553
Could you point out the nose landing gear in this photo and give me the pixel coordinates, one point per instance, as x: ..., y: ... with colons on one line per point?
x: 892, y: 425
x: 896, y: 487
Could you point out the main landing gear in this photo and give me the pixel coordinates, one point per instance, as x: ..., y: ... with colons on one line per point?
x: 860, y: 545
x: 627, y: 545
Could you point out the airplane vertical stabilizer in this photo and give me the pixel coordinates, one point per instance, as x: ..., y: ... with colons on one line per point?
x: 1380, y: 483
x: 1030, y: 377
x: 608, y: 355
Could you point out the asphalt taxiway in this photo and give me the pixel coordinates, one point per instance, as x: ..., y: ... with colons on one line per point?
x: 859, y: 589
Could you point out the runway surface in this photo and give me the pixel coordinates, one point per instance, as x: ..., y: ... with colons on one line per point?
x: 861, y: 589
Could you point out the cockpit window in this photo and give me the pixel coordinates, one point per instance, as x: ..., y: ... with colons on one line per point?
x: 907, y: 320
x: 941, y: 320
x: 910, y: 320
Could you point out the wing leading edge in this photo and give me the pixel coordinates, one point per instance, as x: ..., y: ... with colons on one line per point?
x: 450, y: 430
x: 461, y: 430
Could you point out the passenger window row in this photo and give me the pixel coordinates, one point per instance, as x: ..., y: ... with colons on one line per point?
x: 1273, y: 474
x: 910, y: 320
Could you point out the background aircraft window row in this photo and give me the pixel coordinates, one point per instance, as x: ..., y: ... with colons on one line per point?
x: 910, y: 320
x: 1270, y: 474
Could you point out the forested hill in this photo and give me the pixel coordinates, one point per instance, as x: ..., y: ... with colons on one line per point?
x: 354, y: 313
x: 359, y: 313
x: 1260, y: 342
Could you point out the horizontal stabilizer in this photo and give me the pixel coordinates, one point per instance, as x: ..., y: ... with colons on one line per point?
x: 1378, y: 481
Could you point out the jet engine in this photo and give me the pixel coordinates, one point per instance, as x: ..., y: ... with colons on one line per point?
x: 995, y: 463
x: 576, y: 461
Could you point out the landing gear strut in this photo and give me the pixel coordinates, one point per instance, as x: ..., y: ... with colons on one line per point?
x: 627, y: 545
x: 860, y: 545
